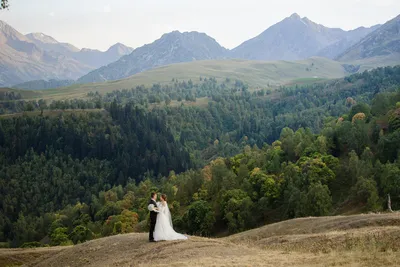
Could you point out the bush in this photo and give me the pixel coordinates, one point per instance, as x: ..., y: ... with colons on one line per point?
x: 60, y: 237
x: 80, y: 234
x: 4, y: 245
x: 32, y: 245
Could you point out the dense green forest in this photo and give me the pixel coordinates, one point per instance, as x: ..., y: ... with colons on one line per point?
x: 243, y: 159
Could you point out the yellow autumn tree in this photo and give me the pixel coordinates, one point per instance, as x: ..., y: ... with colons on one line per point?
x: 358, y: 116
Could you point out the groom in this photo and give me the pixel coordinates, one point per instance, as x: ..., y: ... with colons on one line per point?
x: 153, y: 215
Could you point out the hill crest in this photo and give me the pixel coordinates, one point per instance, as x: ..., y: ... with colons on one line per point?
x: 288, y: 243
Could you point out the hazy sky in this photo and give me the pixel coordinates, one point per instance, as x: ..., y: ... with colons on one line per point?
x: 101, y: 23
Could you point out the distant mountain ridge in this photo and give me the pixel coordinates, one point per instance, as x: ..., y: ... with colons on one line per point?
x: 48, y: 43
x: 297, y: 38
x: 293, y: 38
x: 174, y: 47
x: 37, y: 56
x: 21, y: 60
x: 351, y: 38
x: 90, y: 57
x: 382, y: 42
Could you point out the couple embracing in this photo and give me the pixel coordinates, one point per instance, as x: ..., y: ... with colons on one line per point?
x: 161, y: 221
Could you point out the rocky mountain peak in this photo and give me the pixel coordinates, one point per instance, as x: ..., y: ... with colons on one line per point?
x: 42, y: 38
x: 295, y: 16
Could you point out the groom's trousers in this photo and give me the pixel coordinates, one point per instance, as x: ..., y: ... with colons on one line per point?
x: 152, y: 226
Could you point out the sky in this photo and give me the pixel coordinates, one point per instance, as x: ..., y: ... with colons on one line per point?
x: 98, y: 24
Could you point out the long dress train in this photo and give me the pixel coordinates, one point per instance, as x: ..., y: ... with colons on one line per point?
x: 164, y: 229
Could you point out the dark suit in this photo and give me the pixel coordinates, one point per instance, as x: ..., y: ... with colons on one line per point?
x: 153, y: 220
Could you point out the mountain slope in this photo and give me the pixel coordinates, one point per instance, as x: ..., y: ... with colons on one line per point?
x: 97, y: 59
x: 48, y: 43
x: 21, y: 60
x: 385, y: 41
x: 90, y: 57
x: 297, y: 38
x: 43, y: 84
x: 174, y: 47
x: 350, y: 38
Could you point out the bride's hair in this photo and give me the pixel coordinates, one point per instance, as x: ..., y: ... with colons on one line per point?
x: 164, y: 196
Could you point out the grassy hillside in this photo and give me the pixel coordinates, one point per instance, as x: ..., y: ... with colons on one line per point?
x: 322, y: 234
x: 361, y: 240
x: 255, y: 73
x: 49, y: 113
x: 375, y: 62
x: 25, y: 94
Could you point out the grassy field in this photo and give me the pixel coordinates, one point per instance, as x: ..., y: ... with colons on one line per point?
x: 375, y: 62
x: 256, y: 73
x: 358, y: 240
x: 26, y: 94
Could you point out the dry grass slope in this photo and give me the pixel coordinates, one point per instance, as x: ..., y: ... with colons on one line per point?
x: 359, y: 240
x: 26, y: 94
x: 368, y: 232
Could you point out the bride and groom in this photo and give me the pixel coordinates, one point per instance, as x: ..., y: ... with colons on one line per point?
x: 161, y: 221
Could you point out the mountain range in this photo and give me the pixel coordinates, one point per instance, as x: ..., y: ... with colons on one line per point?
x: 37, y: 56
x: 293, y: 38
x: 90, y: 57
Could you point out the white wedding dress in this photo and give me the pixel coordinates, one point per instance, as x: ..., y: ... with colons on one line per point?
x: 163, y: 229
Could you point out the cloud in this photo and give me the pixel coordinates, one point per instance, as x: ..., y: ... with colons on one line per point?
x: 107, y: 9
x: 52, y: 14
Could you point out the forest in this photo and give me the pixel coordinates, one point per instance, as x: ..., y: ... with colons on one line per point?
x: 244, y: 158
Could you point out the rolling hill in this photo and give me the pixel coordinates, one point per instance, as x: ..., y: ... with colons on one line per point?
x: 358, y: 240
x: 43, y: 84
x: 255, y: 73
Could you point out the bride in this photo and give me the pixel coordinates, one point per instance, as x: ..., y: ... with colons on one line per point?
x: 163, y: 229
